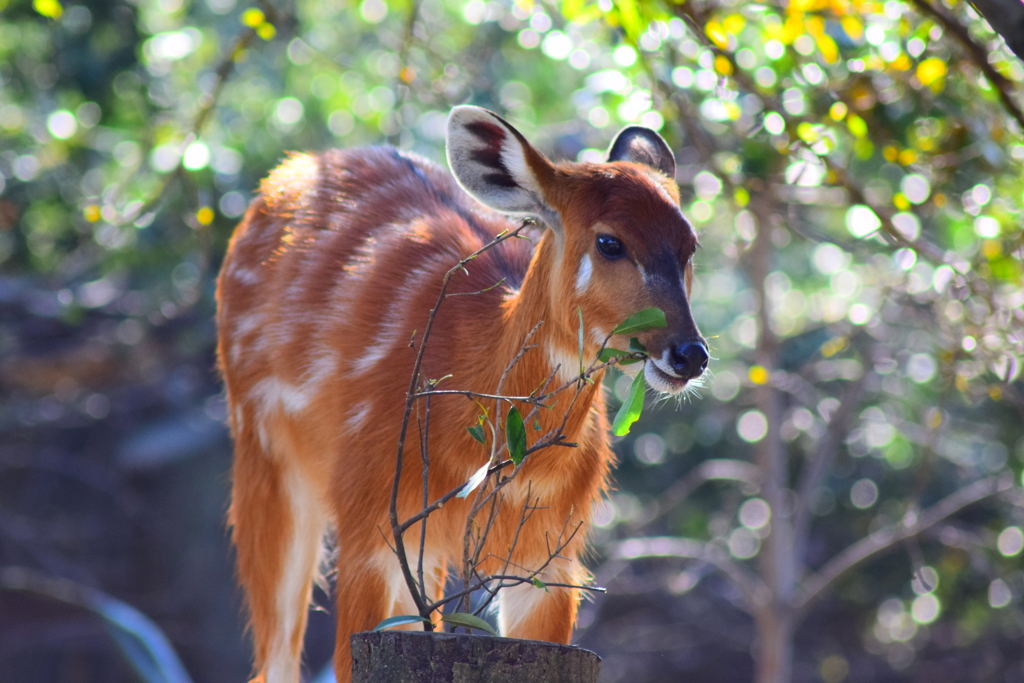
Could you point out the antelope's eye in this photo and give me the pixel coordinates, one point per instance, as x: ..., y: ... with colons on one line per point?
x: 610, y: 247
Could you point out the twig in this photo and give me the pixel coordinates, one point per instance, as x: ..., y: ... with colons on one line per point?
x: 397, y: 528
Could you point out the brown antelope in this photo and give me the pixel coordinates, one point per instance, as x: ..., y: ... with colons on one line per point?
x: 326, y: 282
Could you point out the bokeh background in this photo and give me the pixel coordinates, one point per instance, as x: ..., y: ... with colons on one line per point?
x: 841, y: 501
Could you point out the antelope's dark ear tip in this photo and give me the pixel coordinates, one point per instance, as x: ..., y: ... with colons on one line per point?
x: 643, y: 146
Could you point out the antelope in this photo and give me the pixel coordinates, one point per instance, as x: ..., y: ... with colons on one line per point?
x: 327, y: 279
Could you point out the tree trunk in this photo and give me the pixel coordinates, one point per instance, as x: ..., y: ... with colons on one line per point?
x: 774, y: 648
x: 419, y: 657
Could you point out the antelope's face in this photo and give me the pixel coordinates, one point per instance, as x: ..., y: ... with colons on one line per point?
x: 635, y: 251
x: 622, y: 242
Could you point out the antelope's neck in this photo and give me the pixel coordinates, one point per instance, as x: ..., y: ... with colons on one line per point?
x: 553, y: 357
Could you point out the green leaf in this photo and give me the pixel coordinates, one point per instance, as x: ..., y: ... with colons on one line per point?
x: 635, y: 346
x: 536, y: 424
x: 647, y: 319
x: 629, y: 412
x: 607, y: 354
x: 477, y: 432
x: 537, y: 583
x: 400, y: 621
x: 468, y: 621
x: 515, y: 435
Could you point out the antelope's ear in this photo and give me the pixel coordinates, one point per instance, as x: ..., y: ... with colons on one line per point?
x: 492, y: 161
x: 643, y: 146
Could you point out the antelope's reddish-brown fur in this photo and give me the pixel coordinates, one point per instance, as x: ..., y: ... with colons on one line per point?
x: 326, y: 283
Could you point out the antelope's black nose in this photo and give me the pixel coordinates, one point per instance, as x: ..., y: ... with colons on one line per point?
x: 689, y: 359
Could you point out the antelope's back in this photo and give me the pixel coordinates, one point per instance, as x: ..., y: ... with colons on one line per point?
x: 335, y: 266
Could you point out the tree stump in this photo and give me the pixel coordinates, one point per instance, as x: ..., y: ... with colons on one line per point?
x: 421, y: 657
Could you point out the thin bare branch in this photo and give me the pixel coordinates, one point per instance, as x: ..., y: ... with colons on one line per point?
x: 754, y: 590
x: 889, y: 537
x: 717, y: 469
x: 398, y: 529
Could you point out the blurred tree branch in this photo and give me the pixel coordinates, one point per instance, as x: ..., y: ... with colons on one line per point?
x: 208, y: 105
x: 1006, y: 17
x: 754, y: 590
x: 978, y: 54
x: 716, y: 469
x: 887, y: 538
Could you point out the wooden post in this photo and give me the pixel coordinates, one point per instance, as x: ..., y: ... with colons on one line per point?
x: 420, y: 657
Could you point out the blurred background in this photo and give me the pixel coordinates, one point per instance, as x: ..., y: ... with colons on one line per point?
x: 841, y: 502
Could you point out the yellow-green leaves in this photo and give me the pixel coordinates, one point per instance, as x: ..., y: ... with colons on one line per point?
x: 629, y: 412
x: 647, y: 319
x: 51, y: 9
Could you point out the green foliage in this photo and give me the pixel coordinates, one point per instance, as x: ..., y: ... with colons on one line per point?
x: 629, y: 411
x: 468, y: 621
x: 641, y: 321
x: 515, y: 435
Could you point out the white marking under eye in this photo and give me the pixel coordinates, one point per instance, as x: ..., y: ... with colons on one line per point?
x: 583, y: 274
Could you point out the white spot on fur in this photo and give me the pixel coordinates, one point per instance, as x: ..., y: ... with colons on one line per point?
x: 356, y: 420
x: 517, y: 603
x: 293, y: 590
x: 392, y: 324
x: 394, y: 318
x: 245, y: 276
x: 568, y: 364
x: 239, y: 421
x: 243, y: 327
x: 273, y: 393
x: 583, y: 273
x: 320, y: 368
x: 598, y: 336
